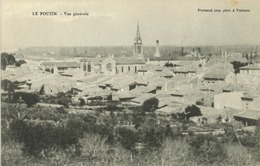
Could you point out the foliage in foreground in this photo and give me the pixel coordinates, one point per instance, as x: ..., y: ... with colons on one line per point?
x: 38, y: 138
x: 207, y: 149
x: 96, y: 152
x: 97, y: 140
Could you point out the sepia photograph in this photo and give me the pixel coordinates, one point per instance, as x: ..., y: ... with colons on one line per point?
x: 130, y: 82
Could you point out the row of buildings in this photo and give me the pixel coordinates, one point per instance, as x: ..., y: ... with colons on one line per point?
x: 210, y: 82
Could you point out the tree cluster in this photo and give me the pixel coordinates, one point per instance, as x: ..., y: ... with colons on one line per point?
x: 7, y: 59
x: 169, y: 64
x: 237, y: 65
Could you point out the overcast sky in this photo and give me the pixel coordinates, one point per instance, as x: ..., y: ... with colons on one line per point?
x: 113, y: 23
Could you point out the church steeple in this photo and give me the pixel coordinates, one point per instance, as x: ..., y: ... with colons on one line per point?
x: 138, y: 46
x: 138, y: 35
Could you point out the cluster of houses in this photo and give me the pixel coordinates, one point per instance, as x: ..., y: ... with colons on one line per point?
x: 211, y: 85
x: 208, y: 81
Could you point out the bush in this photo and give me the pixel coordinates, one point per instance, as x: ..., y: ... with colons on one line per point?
x: 230, y: 135
x: 168, y: 131
x: 192, y: 111
x: 207, y: 149
x: 40, y: 137
x: 89, y: 123
x: 96, y: 103
x: 30, y: 99
x: 81, y: 102
x: 151, y: 134
x: 19, y: 63
x: 126, y: 137
x: 150, y: 105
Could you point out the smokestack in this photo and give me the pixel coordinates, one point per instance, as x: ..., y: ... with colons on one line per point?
x: 157, y: 53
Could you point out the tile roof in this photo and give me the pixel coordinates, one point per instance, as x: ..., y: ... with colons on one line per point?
x: 188, y: 67
x: 126, y: 61
x: 250, y: 114
x: 219, y: 65
x: 250, y: 67
x: 61, y: 64
x: 151, y: 67
x: 238, y: 59
x: 126, y: 94
x: 142, y: 98
x: 169, y: 110
x: 173, y: 58
x: 119, y: 61
x: 220, y: 76
x: 118, y: 82
x: 94, y: 60
x: 101, y: 93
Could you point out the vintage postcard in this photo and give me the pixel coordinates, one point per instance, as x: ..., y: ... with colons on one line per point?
x: 130, y: 82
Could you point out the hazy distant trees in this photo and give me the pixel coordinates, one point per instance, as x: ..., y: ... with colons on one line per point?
x: 168, y: 64
x: 48, y: 70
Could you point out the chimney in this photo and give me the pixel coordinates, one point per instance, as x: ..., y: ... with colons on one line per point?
x: 157, y: 53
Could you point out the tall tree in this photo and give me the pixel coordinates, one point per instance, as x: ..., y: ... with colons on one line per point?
x: 150, y: 105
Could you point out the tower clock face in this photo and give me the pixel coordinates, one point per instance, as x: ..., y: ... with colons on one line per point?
x: 109, y: 66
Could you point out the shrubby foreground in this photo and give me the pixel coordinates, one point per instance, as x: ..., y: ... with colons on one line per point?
x: 44, y: 136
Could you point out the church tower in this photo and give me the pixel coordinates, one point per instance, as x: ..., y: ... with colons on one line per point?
x: 138, y: 46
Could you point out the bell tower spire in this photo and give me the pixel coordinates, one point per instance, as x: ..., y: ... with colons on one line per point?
x: 138, y: 35
x: 138, y: 45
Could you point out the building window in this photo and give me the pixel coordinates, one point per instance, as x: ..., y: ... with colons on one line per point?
x: 122, y: 69
x: 128, y: 68
x: 135, y: 69
x: 89, y: 67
